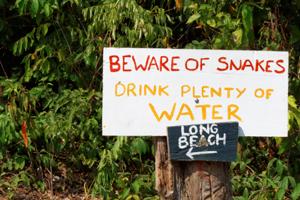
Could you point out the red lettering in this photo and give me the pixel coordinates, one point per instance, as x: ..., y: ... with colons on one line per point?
x: 258, y: 65
x: 268, y: 66
x: 125, y: 63
x: 114, y: 61
x: 279, y: 65
x: 174, y: 64
x: 247, y: 63
x: 223, y: 61
x: 153, y: 63
x: 140, y: 66
x: 163, y: 63
x: 188, y: 67
x: 202, y: 63
x: 233, y: 65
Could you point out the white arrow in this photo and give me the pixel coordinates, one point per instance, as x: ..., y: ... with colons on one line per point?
x: 191, y: 154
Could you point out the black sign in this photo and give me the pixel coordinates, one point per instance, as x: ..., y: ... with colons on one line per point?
x: 209, y: 142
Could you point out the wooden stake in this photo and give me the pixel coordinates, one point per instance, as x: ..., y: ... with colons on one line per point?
x: 189, y: 180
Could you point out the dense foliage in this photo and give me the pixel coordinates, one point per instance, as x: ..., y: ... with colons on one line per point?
x: 50, y: 90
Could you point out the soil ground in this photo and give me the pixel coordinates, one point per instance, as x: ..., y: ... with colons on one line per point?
x: 62, y: 187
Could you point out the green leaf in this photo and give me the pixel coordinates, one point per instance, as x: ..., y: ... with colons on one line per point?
x: 292, y: 101
x: 212, y: 23
x: 47, y: 9
x: 280, y: 193
x: 139, y: 146
x: 193, y: 18
x: 285, y: 183
x: 284, y: 146
x: 247, y: 19
x: 34, y: 7
x: 125, y: 193
x: 133, y: 197
x: 137, y: 184
x: 15, y: 48
x: 21, y: 5
x: 238, y: 36
x: 246, y: 193
x: 19, y: 163
x: 292, y: 181
x: 296, y: 192
x: 279, y: 167
x: 218, y: 43
x: 294, y: 111
x: 197, y: 45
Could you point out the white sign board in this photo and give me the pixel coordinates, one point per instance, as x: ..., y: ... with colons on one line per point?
x: 147, y: 90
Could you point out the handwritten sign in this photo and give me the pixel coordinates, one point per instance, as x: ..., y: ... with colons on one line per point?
x: 147, y: 90
x: 209, y: 142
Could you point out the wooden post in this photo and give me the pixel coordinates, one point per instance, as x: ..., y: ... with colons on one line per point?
x: 189, y: 180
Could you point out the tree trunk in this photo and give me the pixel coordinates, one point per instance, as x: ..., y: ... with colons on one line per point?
x: 195, y: 180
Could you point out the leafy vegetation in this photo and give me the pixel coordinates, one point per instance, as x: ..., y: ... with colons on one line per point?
x: 50, y: 86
